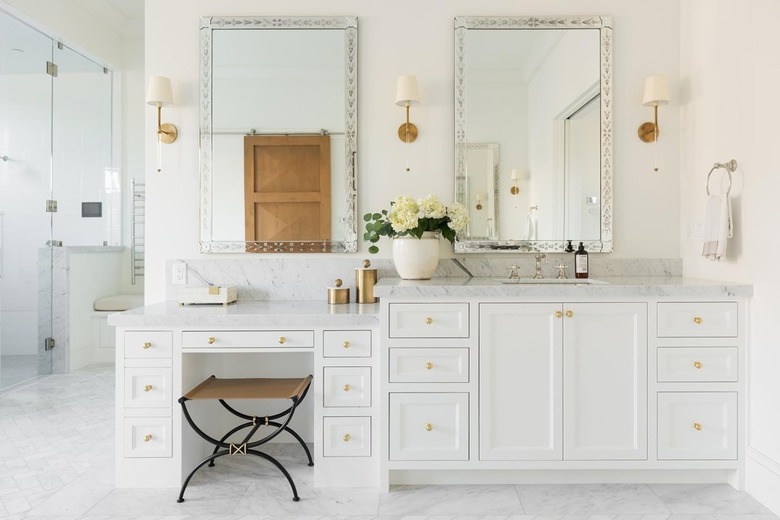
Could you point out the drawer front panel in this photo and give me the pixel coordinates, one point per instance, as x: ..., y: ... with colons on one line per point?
x: 346, y: 436
x: 148, y: 437
x: 347, y: 386
x: 429, y: 426
x: 704, y: 319
x: 248, y: 339
x: 697, y: 425
x: 346, y: 343
x: 148, y: 388
x: 148, y: 344
x: 429, y: 365
x: 676, y: 364
x: 431, y: 320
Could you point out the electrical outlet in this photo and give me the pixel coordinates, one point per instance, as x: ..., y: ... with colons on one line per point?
x: 179, y: 273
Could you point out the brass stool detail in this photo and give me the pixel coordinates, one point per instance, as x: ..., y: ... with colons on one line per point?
x: 255, y: 388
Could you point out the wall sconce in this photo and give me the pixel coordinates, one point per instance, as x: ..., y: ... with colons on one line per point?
x: 478, y: 198
x: 514, y: 176
x: 656, y: 94
x: 407, y: 95
x: 159, y: 94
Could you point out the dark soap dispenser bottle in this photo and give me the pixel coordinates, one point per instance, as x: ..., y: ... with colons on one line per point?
x: 581, y: 262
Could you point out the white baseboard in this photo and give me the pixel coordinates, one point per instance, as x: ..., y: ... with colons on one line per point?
x: 442, y: 477
x: 763, y: 479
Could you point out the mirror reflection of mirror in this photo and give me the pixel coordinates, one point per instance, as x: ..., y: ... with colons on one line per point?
x: 278, y: 134
x: 482, y: 163
x: 538, y: 88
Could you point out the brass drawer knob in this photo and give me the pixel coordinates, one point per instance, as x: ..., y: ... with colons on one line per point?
x: 429, y: 320
x: 147, y: 437
x: 282, y: 339
x: 347, y: 387
x: 569, y: 314
x: 697, y: 364
x: 558, y: 314
x: 429, y: 365
x: 212, y: 340
x: 347, y: 344
x: 347, y: 437
x: 428, y: 427
x: 698, y: 320
x: 147, y: 388
x: 697, y: 426
x: 147, y: 344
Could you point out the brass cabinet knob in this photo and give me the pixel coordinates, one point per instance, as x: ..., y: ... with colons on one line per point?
x: 698, y: 320
x: 697, y: 426
x: 212, y: 340
x: 147, y: 344
x: 558, y: 314
x: 282, y: 339
x: 148, y: 388
x: 347, y: 387
x: 428, y: 320
x: 428, y: 427
x: 697, y: 364
x: 569, y: 314
x: 347, y: 437
x: 429, y: 365
x: 147, y: 437
x: 347, y: 344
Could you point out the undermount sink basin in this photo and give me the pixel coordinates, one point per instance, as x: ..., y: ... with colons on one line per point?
x: 552, y: 281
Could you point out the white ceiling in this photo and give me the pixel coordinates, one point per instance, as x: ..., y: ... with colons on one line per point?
x: 123, y: 16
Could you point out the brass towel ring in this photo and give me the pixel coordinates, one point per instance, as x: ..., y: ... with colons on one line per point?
x: 729, y: 167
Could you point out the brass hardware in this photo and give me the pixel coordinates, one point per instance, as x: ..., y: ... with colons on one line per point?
x: 338, y: 295
x: 697, y: 364
x: 558, y: 314
x: 428, y: 320
x: 407, y: 129
x: 147, y: 437
x: 168, y: 133
x: 237, y: 449
x: 429, y: 365
x: 148, y: 388
x: 282, y: 339
x: 697, y: 426
x: 569, y: 314
x: 212, y: 340
x: 648, y: 132
x: 428, y: 427
x: 365, y: 280
x: 147, y: 345
x: 347, y: 387
x: 347, y: 437
x: 514, y: 190
x: 347, y: 344
x: 698, y: 320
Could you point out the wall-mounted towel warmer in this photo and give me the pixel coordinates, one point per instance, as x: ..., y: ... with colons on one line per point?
x: 138, y: 192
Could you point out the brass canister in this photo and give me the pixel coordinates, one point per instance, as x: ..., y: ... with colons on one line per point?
x: 338, y: 295
x: 365, y: 280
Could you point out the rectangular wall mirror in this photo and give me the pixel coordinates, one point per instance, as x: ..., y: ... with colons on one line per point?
x: 540, y: 90
x: 278, y: 134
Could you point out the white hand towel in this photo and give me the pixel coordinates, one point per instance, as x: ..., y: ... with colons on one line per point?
x: 717, y: 227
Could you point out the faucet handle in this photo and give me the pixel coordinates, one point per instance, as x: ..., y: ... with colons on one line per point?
x: 541, y: 257
x: 513, y: 274
x: 562, y: 271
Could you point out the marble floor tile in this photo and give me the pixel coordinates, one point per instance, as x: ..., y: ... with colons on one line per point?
x: 589, y: 499
x: 451, y: 500
x: 716, y: 499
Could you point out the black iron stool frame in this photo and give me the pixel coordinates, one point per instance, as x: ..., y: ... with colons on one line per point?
x: 222, y: 448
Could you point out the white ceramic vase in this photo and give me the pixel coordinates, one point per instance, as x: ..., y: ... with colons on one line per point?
x: 416, y: 258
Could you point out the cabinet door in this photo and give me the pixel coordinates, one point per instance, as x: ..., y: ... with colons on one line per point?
x: 605, y: 381
x: 520, y: 381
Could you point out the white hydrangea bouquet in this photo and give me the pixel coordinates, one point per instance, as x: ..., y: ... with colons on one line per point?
x: 407, y: 216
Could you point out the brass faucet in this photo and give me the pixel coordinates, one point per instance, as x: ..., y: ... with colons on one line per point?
x: 540, y: 257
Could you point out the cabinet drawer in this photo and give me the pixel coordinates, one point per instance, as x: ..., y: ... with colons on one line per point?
x: 703, y: 319
x: 148, y: 437
x: 676, y: 364
x: 347, y: 386
x: 149, y: 344
x: 346, y: 343
x: 697, y: 425
x: 248, y: 339
x: 148, y: 388
x: 429, y: 320
x: 429, y: 365
x: 429, y: 426
x: 346, y: 436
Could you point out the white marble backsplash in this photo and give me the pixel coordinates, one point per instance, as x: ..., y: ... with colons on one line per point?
x: 307, y: 278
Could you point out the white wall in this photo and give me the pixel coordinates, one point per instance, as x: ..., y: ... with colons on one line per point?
x: 410, y: 37
x: 729, y: 75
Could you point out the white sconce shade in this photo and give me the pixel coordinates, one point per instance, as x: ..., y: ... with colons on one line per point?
x: 515, y: 175
x: 159, y: 92
x: 656, y: 91
x: 406, y: 91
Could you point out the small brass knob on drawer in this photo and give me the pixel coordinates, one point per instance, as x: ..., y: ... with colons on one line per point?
x: 347, y: 437
x: 347, y: 344
x: 429, y: 365
x: 428, y: 427
x: 211, y: 340
x: 569, y: 314
x: 428, y: 320
x: 697, y: 364
x: 558, y: 314
x: 147, y: 344
x: 282, y: 339
x: 698, y: 320
x: 347, y: 387
x: 147, y: 437
x: 147, y: 388
x: 697, y: 426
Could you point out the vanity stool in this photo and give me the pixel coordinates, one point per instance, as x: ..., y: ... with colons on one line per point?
x: 255, y: 388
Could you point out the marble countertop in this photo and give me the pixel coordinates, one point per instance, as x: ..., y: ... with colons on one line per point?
x: 653, y: 286
x: 249, y: 314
